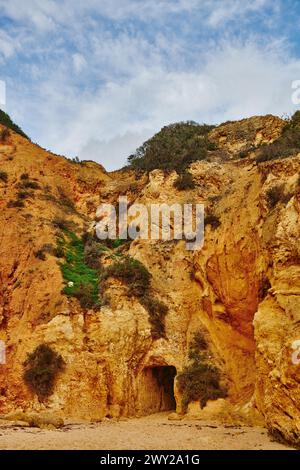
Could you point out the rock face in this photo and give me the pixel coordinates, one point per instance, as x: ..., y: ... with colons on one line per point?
x: 247, y: 133
x: 241, y: 289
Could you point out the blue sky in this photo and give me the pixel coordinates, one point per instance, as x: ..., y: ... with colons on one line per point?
x: 95, y: 78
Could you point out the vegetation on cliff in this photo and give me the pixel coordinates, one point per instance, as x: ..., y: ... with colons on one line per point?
x: 277, y: 194
x: 41, y: 369
x: 286, y: 145
x: 184, y: 181
x: 200, y: 380
x: 5, y: 120
x: 212, y: 220
x: 174, y: 147
x: 25, y: 189
x: 138, y: 279
x: 85, y: 277
x: 82, y: 280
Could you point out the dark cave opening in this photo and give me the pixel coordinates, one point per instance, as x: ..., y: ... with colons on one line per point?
x: 156, y: 390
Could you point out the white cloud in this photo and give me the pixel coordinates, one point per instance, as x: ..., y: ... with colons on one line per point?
x: 48, y: 13
x: 226, y: 10
x: 99, y: 92
x: 7, y: 45
x: 38, y: 13
x: 79, y: 62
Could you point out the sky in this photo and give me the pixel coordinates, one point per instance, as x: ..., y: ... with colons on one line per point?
x: 96, y: 78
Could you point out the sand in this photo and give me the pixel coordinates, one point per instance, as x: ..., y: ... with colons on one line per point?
x: 151, y: 432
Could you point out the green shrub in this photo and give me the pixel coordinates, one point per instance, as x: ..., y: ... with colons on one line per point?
x: 133, y: 273
x: 118, y: 242
x: 212, y: 220
x: 200, y: 380
x: 273, y: 151
x: 24, y: 194
x: 41, y: 369
x: 5, y: 120
x: 86, y: 294
x: 175, y: 147
x: 184, y: 181
x: 157, y: 312
x: 58, y: 252
x: 199, y: 342
x: 286, y: 145
x: 3, y: 176
x: 84, y: 279
x: 28, y: 184
x: 294, y: 121
x: 114, y: 243
x: 24, y: 176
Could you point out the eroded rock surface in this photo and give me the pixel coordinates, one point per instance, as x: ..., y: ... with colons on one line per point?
x: 241, y: 289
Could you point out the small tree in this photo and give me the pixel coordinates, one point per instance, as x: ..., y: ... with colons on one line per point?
x: 41, y: 369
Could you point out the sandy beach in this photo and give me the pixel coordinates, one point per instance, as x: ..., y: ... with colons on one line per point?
x: 151, y: 432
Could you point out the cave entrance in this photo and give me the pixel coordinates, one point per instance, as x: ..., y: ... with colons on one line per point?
x: 156, y: 390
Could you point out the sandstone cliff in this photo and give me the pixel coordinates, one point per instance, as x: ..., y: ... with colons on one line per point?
x: 241, y: 290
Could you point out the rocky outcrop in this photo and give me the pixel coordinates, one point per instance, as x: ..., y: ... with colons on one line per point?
x: 250, y: 133
x: 241, y: 290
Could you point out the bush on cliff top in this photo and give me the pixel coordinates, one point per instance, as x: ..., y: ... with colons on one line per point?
x: 174, y: 147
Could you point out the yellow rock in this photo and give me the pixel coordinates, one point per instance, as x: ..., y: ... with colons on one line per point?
x: 242, y: 289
